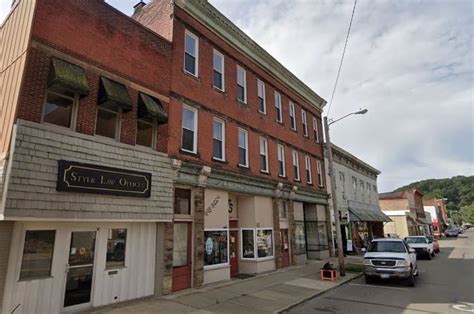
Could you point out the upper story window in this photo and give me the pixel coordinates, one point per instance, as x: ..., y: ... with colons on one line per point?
x: 150, y: 112
x: 241, y: 84
x: 146, y: 131
x: 108, y: 123
x: 218, y: 66
x: 315, y: 130
x: 191, y: 53
x: 309, y: 175
x: 189, y: 129
x: 218, y: 133
x: 369, y: 190
x: 375, y: 188
x: 320, y: 173
x: 279, y: 116
x: 262, y: 106
x: 342, y: 179
x: 362, y: 190
x: 263, y: 154
x: 59, y: 108
x: 243, y: 148
x: 281, y: 160
x: 292, y: 116
x: 304, y: 122
x: 296, y: 166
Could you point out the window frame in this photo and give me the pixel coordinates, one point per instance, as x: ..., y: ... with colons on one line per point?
x: 304, y: 122
x: 189, y: 201
x: 75, y: 102
x: 278, y: 107
x: 220, y: 265
x: 246, y: 133
x: 196, y: 57
x: 218, y: 53
x: 245, y: 84
x: 320, y: 173
x: 118, y: 124
x: 273, y: 245
x: 309, y: 174
x: 195, y: 136
x: 281, y: 151
x: 316, y: 130
x: 242, y: 242
x: 154, y: 130
x: 109, y: 267
x: 261, y: 84
x: 292, y: 110
x: 222, y: 122
x: 22, y: 252
x: 296, y: 166
x: 265, y: 153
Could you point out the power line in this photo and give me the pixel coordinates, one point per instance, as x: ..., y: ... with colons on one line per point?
x: 342, y: 58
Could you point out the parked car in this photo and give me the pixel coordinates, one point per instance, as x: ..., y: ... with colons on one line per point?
x: 435, y: 243
x: 390, y: 258
x: 422, y: 246
x: 451, y: 233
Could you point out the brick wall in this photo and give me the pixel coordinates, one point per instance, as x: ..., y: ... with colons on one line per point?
x: 32, y: 188
x: 6, y: 231
x: 394, y: 204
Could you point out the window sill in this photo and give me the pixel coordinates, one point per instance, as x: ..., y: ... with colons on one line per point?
x: 242, y: 103
x: 221, y: 161
x: 297, y: 180
x: 283, y: 177
x: 264, y: 259
x: 188, y: 152
x: 267, y: 173
x: 218, y: 90
x: 263, y: 113
x: 243, y: 167
x: 35, y: 278
x: 309, y: 183
x: 193, y: 76
x: 294, y: 130
x: 217, y: 266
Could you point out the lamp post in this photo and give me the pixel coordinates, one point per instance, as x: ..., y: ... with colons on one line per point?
x: 340, y: 251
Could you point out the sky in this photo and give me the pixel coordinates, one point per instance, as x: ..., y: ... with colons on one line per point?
x: 409, y: 62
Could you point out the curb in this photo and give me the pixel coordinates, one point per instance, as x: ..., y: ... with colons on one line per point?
x: 296, y: 303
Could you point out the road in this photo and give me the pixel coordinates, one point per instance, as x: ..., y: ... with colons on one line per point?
x: 445, y: 285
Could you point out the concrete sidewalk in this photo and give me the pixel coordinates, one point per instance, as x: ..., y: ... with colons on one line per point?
x: 266, y: 293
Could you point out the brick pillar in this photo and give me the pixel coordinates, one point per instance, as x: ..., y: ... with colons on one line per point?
x: 168, y: 258
x: 291, y: 231
x: 276, y: 231
x: 198, y: 233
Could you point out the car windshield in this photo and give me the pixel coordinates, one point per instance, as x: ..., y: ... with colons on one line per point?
x: 387, y: 246
x: 416, y: 240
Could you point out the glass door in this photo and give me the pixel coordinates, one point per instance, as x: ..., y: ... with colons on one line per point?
x: 80, y: 268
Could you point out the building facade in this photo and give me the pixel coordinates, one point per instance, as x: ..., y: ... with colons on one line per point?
x: 357, y: 200
x: 439, y: 218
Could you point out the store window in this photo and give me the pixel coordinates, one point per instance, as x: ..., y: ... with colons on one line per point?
x: 37, y: 254
x: 180, y: 244
x: 248, y: 243
x: 145, y: 133
x: 182, y: 201
x: 108, y: 123
x: 215, y: 247
x: 58, y: 109
x: 116, y: 244
x: 264, y: 243
x: 300, y: 237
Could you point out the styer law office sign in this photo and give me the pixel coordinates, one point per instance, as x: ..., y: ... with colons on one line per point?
x: 88, y: 178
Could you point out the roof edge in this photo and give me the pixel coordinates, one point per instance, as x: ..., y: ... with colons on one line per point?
x: 346, y: 154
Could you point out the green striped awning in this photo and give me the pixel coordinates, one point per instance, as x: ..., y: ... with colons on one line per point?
x: 67, y: 76
x: 150, y: 107
x: 114, y: 95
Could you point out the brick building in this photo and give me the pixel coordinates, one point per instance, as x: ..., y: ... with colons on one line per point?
x: 148, y: 155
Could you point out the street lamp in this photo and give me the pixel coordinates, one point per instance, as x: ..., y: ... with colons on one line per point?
x: 340, y: 251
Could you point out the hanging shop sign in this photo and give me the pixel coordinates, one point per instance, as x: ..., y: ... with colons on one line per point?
x: 88, y: 178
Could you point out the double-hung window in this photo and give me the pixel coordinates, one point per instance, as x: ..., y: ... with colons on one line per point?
x: 309, y: 175
x: 296, y: 166
x: 243, y: 148
x: 241, y: 84
x: 146, y: 131
x: 279, y: 117
x: 320, y: 173
x: 218, y: 66
x: 315, y: 130
x: 263, y: 154
x: 218, y: 145
x: 292, y: 116
x: 281, y: 160
x: 108, y: 122
x: 262, y: 106
x: 189, y: 129
x: 191, y: 53
x: 59, y: 108
x: 304, y: 122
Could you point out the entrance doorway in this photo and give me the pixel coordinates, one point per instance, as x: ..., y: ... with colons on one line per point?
x: 285, y: 248
x: 234, y: 252
x: 182, y: 265
x: 80, y: 269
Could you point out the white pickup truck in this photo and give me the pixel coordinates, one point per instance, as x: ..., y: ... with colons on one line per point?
x: 390, y: 258
x: 422, y: 246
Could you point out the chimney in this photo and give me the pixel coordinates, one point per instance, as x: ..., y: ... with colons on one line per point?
x: 137, y: 7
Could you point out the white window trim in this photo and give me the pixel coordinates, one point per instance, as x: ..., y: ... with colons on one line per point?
x: 246, y: 148
x: 293, y: 115
x: 75, y: 101
x: 265, y: 153
x: 308, y: 168
x: 223, y: 139
x: 279, y: 118
x: 282, y: 159
x: 316, y: 129
x: 320, y: 173
x: 245, y: 83
x: 263, y: 96
x: 223, y: 70
x: 296, y: 163
x: 221, y: 265
x: 196, y: 57
x: 195, y: 137
x: 255, y: 253
x: 304, y: 122
x: 273, y: 245
x: 118, y: 126
x: 154, y: 129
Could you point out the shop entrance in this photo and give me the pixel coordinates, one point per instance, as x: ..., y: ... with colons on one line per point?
x: 234, y: 252
x: 80, y: 269
x: 182, y: 266
x: 285, y: 248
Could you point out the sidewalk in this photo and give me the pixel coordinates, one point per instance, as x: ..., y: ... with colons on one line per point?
x: 266, y: 293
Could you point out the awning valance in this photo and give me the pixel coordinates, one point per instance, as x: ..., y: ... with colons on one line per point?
x: 150, y: 107
x: 67, y: 76
x: 114, y: 95
x: 367, y: 213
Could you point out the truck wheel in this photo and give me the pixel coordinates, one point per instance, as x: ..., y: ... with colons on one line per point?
x: 411, y: 279
x: 368, y: 279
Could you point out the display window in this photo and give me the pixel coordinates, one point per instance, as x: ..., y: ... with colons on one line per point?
x: 248, y: 243
x: 216, y: 243
x: 300, y: 238
x: 264, y: 243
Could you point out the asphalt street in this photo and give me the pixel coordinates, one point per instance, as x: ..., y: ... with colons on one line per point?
x: 445, y: 285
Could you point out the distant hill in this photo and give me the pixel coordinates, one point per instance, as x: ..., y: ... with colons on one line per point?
x: 458, y: 190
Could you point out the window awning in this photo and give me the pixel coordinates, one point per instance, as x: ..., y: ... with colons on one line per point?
x: 114, y: 95
x: 366, y: 212
x: 150, y: 107
x: 68, y: 76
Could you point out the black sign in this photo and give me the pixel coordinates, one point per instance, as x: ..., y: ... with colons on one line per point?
x: 87, y: 178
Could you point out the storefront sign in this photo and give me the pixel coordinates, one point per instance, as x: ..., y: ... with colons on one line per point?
x: 87, y: 178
